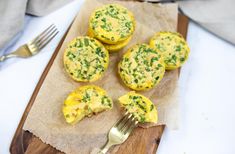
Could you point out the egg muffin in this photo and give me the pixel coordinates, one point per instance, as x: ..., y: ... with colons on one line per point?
x: 118, y: 46
x: 173, y: 47
x: 113, y: 47
x: 85, y: 101
x: 112, y: 23
x: 85, y: 59
x: 140, y: 106
x: 141, y: 67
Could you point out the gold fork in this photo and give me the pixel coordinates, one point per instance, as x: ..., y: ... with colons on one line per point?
x: 35, y: 45
x: 120, y: 131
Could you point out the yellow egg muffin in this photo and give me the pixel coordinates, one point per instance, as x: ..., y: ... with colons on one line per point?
x: 141, y: 67
x: 85, y: 101
x: 118, y: 46
x: 112, y: 47
x: 85, y: 59
x: 89, y: 33
x: 173, y: 47
x: 112, y: 23
x: 140, y: 106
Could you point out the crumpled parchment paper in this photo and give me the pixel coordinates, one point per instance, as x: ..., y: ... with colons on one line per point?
x: 46, y: 120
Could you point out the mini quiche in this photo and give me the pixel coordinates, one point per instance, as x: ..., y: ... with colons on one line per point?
x: 140, y: 106
x: 85, y: 59
x: 113, y: 47
x: 173, y: 47
x: 118, y: 46
x: 141, y: 67
x: 112, y: 23
x: 85, y: 101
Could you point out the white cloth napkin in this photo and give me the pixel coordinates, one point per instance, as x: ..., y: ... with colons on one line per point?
x: 217, y: 16
x: 12, y: 14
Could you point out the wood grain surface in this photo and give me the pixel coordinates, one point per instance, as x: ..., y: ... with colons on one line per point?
x: 141, y: 141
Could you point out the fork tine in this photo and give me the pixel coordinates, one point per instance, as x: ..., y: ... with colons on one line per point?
x: 120, y: 131
x: 128, y: 124
x: 131, y: 126
x: 45, y: 36
x: 120, y: 120
x: 129, y: 130
x: 123, y: 123
x: 48, y: 39
x: 41, y: 34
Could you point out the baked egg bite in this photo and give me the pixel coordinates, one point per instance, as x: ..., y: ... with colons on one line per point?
x: 84, y: 102
x: 141, y: 67
x: 173, y: 47
x: 112, y: 23
x: 140, y: 106
x: 85, y: 59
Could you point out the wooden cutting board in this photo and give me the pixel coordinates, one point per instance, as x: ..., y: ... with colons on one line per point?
x: 141, y: 141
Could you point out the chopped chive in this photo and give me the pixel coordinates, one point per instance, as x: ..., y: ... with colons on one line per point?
x: 86, y: 42
x: 178, y: 48
x: 151, y: 107
x: 182, y: 59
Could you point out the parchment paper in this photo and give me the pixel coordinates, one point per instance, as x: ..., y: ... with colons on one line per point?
x: 45, y: 119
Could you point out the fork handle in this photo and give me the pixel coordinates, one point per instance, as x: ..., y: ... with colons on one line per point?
x: 4, y: 57
x: 106, y: 148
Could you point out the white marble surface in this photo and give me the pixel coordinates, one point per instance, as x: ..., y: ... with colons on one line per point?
x: 207, y: 85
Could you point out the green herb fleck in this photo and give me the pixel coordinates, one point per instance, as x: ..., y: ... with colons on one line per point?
x: 178, y: 48
x: 174, y: 58
x: 142, y: 118
x: 103, y: 19
x: 86, y: 98
x: 151, y: 107
x: 153, y: 59
x: 182, y: 59
x: 86, y: 41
